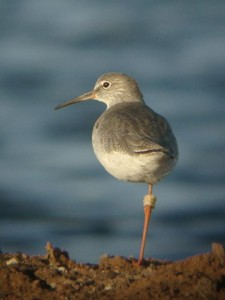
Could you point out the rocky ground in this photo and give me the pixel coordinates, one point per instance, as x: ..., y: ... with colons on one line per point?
x: 56, y: 276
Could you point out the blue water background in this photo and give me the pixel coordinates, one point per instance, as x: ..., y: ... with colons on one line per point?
x: 52, y: 188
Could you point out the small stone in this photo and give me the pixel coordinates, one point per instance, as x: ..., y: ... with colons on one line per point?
x: 219, y: 251
x: 108, y: 287
x: 53, y: 285
x: 12, y: 261
x: 36, y: 283
x: 62, y: 269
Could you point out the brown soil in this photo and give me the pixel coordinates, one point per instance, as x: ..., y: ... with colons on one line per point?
x: 55, y: 276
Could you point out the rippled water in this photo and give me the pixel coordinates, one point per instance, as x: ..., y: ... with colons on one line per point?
x: 52, y: 187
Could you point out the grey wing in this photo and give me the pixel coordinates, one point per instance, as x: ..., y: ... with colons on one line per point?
x: 140, y: 131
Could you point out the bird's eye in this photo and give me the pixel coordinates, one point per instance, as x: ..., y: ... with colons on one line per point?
x: 106, y: 84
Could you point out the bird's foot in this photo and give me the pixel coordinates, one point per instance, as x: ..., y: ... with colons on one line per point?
x: 150, y: 200
x: 138, y: 263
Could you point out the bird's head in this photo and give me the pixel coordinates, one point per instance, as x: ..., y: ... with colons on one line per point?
x: 111, y: 88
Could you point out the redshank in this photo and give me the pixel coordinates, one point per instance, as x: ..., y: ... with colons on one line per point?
x: 130, y: 140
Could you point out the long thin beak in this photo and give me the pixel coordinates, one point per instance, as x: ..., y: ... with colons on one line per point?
x: 86, y: 96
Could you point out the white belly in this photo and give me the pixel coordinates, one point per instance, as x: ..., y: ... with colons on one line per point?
x: 148, y: 168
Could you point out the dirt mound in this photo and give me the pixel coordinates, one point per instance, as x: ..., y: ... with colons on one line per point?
x: 55, y: 276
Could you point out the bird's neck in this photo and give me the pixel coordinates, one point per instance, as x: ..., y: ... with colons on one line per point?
x: 117, y: 100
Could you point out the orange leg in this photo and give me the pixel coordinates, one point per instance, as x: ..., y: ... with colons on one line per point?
x: 149, y: 204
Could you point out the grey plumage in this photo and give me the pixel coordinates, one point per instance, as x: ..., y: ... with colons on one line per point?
x: 130, y: 140
x: 129, y: 132
x: 134, y: 128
